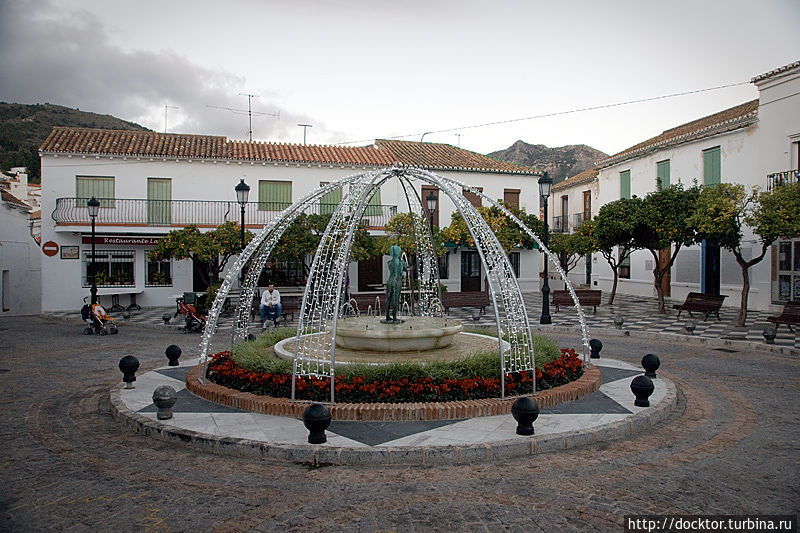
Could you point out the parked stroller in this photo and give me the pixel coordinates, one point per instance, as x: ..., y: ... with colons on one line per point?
x: 194, y: 320
x: 97, y: 320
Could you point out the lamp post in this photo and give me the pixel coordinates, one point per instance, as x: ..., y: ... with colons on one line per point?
x: 94, y: 208
x: 242, y: 192
x: 431, y: 200
x: 545, y: 182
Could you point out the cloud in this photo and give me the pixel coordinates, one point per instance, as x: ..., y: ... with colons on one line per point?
x: 66, y: 57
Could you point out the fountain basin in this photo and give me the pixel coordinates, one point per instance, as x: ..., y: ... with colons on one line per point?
x: 413, y: 334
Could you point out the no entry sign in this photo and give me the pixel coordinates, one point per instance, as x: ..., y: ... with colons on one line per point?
x: 50, y: 248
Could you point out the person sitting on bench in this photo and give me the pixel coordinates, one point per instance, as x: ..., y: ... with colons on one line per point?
x: 270, y: 308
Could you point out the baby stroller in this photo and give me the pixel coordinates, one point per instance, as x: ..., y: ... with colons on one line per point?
x: 97, y: 320
x: 194, y: 320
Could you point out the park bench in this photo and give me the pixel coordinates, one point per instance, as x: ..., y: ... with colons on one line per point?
x: 709, y: 304
x: 290, y: 304
x: 477, y: 299
x: 587, y: 298
x: 790, y: 315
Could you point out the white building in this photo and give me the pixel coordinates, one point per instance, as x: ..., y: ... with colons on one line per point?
x: 752, y: 144
x: 150, y: 183
x: 20, y: 259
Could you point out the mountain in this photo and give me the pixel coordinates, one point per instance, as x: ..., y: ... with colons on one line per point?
x: 24, y: 127
x: 561, y: 163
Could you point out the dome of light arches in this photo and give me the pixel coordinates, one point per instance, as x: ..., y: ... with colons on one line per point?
x: 323, y: 296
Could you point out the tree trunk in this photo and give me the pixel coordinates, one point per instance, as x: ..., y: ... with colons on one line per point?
x: 658, y: 277
x: 742, y: 318
x: 613, y: 286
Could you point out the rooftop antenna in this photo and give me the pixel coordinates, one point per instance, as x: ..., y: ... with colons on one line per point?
x: 305, y: 127
x: 166, y: 107
x: 249, y: 111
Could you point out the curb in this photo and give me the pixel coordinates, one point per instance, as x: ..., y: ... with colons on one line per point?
x: 589, y: 382
x: 322, y: 454
x: 675, y: 338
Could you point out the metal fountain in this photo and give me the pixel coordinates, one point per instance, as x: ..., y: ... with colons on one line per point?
x: 324, y: 304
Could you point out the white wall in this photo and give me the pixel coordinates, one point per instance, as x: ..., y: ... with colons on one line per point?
x: 209, y: 180
x: 20, y: 260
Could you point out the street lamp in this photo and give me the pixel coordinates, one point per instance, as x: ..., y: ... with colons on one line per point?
x: 545, y: 182
x: 242, y: 192
x: 431, y: 200
x: 94, y: 208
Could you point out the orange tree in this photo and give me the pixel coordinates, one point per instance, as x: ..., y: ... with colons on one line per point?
x: 570, y: 248
x: 723, y: 211
x: 300, y: 241
x: 611, y: 233
x: 210, y: 250
x: 664, y: 222
x: 400, y: 231
x: 508, y: 233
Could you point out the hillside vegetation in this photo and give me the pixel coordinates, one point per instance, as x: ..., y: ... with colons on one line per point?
x: 24, y: 127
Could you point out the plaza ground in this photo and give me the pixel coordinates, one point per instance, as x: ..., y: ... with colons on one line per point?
x: 730, y: 448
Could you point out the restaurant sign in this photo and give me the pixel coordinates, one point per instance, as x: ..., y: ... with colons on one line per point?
x: 144, y: 241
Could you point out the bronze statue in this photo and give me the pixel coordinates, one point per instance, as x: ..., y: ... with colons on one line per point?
x: 395, y: 284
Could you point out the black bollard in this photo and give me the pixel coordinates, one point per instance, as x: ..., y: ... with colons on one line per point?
x: 166, y: 317
x: 642, y: 387
x: 129, y: 365
x: 164, y: 397
x: 650, y: 363
x: 595, y: 346
x: 316, y: 419
x: 173, y: 353
x: 525, y: 410
x: 618, y: 321
x: 769, y: 334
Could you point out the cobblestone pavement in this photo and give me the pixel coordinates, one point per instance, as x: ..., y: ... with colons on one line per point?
x: 66, y: 465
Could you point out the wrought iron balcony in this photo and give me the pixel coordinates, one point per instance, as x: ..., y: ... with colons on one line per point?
x: 780, y: 178
x: 577, y: 220
x: 560, y: 225
x: 201, y: 213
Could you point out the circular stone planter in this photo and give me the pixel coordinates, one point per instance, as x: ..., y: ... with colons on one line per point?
x: 586, y: 384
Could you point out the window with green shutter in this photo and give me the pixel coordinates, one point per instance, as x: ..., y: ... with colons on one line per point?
x: 101, y: 187
x: 711, y: 166
x: 374, y: 205
x: 274, y: 195
x: 625, y: 184
x: 159, y: 201
x: 662, y: 174
x: 328, y: 203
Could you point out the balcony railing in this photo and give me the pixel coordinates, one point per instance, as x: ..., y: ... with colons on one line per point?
x: 201, y: 213
x: 577, y: 220
x: 780, y: 178
x: 560, y: 225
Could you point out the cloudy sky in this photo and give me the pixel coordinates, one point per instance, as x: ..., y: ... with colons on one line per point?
x: 359, y: 70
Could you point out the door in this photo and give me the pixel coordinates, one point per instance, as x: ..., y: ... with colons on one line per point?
x: 711, y: 270
x: 159, y: 201
x: 587, y: 205
x: 199, y: 270
x: 470, y: 271
x: 370, y: 274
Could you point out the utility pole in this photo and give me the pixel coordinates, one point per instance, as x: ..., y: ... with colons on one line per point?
x: 305, y: 127
x: 165, y: 114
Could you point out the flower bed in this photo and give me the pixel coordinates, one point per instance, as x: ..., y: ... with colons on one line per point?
x: 226, y: 372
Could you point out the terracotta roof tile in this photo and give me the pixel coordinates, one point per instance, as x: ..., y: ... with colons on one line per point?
x: 383, y: 153
x: 13, y: 200
x: 775, y: 72
x: 736, y: 117
x: 584, y: 177
x: 436, y: 156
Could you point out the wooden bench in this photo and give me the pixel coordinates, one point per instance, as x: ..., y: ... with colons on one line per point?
x: 587, y: 298
x: 366, y: 299
x: 477, y: 299
x: 290, y: 304
x: 709, y: 304
x: 790, y: 315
